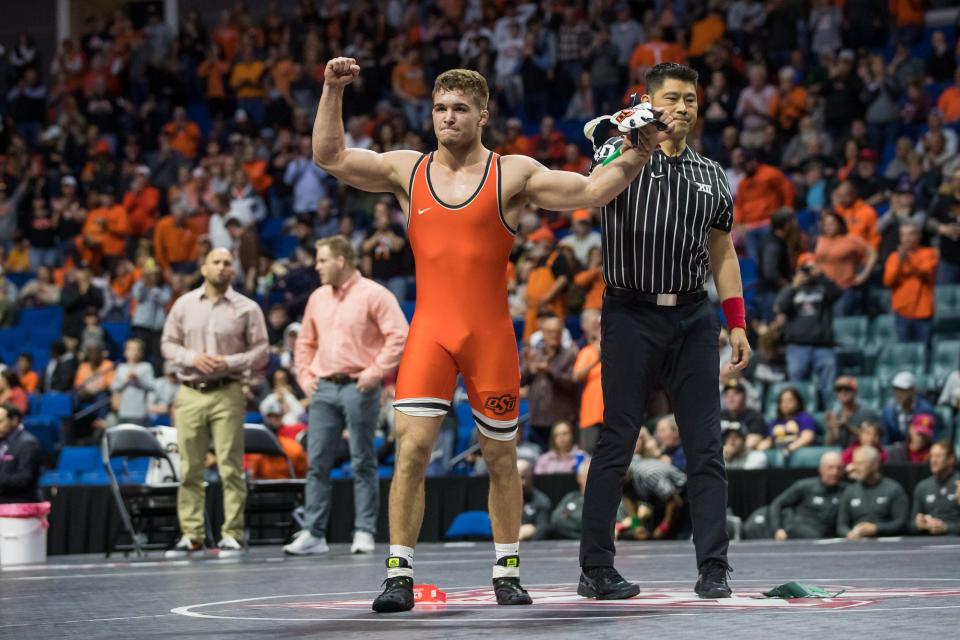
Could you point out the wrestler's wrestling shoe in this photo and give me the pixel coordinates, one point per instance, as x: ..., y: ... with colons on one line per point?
x: 397, y: 591
x: 712, y: 582
x: 506, y: 586
x: 605, y: 583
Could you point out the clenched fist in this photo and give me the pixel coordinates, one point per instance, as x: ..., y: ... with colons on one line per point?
x: 340, y: 72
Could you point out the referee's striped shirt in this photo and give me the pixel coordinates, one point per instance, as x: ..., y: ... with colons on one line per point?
x: 655, y: 233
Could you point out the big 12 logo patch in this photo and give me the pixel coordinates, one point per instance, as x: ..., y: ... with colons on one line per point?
x: 501, y: 404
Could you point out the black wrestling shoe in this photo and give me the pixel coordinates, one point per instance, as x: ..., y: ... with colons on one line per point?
x: 605, y: 583
x: 712, y: 583
x: 509, y: 592
x: 397, y: 595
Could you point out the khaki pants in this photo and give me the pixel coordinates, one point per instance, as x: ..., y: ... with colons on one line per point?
x: 201, y: 416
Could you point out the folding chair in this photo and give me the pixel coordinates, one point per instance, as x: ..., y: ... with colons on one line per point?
x: 270, y: 503
x: 133, y: 441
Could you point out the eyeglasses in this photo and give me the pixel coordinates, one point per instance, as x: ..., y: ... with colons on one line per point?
x: 839, y: 389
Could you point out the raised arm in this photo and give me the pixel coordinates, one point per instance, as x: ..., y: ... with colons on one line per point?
x: 359, y: 168
x: 565, y: 190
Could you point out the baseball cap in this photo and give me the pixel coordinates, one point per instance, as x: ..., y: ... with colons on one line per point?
x: 805, y: 258
x: 542, y: 234
x: 868, y: 155
x: 734, y: 384
x: 904, y: 380
x: 845, y: 382
x: 728, y: 427
x: 68, y: 180
x: 923, y: 424
x: 903, y: 187
x: 271, y: 406
x: 581, y: 215
x: 847, y: 54
x: 102, y: 146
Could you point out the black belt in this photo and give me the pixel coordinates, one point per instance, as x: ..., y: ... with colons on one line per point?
x: 207, y: 385
x: 659, y: 299
x: 339, y: 379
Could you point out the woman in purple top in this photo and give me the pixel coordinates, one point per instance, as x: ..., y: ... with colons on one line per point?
x: 564, y: 455
x: 793, y: 427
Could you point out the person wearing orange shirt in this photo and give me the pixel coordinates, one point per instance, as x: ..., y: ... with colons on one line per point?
x: 176, y: 246
x: 789, y: 103
x: 949, y: 101
x: 408, y: 81
x: 655, y: 50
x: 547, y: 281
x: 245, y: 82
x: 763, y: 190
x: 184, y: 134
x: 105, y: 232
x: 29, y: 379
x: 839, y: 255
x: 860, y: 217
x: 591, y: 280
x: 908, y: 16
x: 92, y: 389
x: 586, y: 371
x: 141, y: 203
x: 226, y: 35
x: 706, y: 31
x: 910, y: 273
x: 515, y: 142
x: 215, y: 69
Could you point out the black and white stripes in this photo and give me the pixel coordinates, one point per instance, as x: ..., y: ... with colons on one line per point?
x: 655, y: 233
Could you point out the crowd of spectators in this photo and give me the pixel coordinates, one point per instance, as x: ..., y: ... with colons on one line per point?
x: 138, y: 148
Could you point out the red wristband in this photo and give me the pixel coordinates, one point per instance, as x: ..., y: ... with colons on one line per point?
x: 735, y: 312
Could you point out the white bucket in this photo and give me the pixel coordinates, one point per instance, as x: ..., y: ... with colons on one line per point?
x: 22, y: 540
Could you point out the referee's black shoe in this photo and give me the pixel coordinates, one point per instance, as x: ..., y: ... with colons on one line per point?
x: 605, y: 583
x: 712, y: 582
x: 397, y: 595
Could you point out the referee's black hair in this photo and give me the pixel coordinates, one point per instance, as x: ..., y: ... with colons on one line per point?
x: 658, y: 74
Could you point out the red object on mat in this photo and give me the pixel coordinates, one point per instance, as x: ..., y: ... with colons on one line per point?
x: 428, y: 594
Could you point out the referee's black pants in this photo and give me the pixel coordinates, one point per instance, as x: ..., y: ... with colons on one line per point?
x: 641, y: 342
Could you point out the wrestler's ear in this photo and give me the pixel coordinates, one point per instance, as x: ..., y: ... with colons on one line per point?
x: 484, y: 117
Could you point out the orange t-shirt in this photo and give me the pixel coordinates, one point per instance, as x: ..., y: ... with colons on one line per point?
x: 861, y: 221
x: 142, y: 210
x: 840, y: 256
x: 906, y: 12
x: 654, y: 52
x: 263, y: 467
x: 759, y: 195
x: 521, y: 145
x: 105, y: 371
x: 185, y: 139
x: 111, y: 227
x: 787, y: 110
x: 172, y: 244
x: 29, y: 381
x: 591, y: 400
x: 215, y: 72
x: 539, y: 283
x: 409, y: 79
x: 256, y: 171
x: 704, y: 33
x: 591, y: 281
x: 949, y: 104
x: 227, y: 38
x: 912, y: 283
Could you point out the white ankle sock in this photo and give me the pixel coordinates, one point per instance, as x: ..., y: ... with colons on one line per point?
x: 502, y: 551
x: 406, y: 553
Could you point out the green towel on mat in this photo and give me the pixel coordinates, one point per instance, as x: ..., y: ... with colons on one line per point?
x: 800, y: 590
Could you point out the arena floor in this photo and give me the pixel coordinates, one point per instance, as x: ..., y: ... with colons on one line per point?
x: 895, y: 588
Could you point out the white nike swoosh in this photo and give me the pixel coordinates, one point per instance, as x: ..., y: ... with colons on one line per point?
x: 422, y: 211
x: 653, y: 175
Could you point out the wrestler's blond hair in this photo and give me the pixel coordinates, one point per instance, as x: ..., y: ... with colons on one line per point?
x: 465, y: 80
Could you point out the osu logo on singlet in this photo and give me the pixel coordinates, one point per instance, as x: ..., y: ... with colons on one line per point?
x: 502, y: 404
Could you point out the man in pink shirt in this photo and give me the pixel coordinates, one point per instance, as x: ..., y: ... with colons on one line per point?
x: 352, y: 336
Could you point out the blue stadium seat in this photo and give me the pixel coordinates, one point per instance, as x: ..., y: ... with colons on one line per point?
x: 573, y: 326
x: 20, y: 279
x: 408, y: 309
x: 118, y: 332
x: 57, y: 405
x: 46, y: 430
x: 41, y: 356
x: 12, y: 338
x: 271, y: 228
x: 284, y: 247
x: 253, y: 417
x: 809, y: 457
x: 93, y: 478
x: 470, y: 524
x: 79, y: 459
x: 56, y: 478
x: 41, y: 317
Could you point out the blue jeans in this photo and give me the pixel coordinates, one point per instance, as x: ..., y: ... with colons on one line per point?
x: 912, y: 330
x: 331, y: 408
x: 754, y: 239
x: 44, y: 258
x: 397, y: 286
x: 850, y: 303
x: 948, y: 273
x: 821, y: 361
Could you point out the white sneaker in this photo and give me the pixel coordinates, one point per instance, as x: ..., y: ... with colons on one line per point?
x: 230, y: 548
x: 185, y: 548
x: 306, y: 544
x: 362, y: 542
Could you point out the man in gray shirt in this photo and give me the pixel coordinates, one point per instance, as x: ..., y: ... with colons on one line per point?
x: 936, y: 500
x: 873, y: 506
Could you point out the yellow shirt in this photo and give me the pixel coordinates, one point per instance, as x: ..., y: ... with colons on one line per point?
x: 245, y: 79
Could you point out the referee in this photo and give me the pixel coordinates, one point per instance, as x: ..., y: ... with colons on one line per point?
x: 660, y: 238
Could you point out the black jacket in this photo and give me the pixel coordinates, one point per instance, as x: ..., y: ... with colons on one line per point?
x: 19, y: 468
x: 809, y: 312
